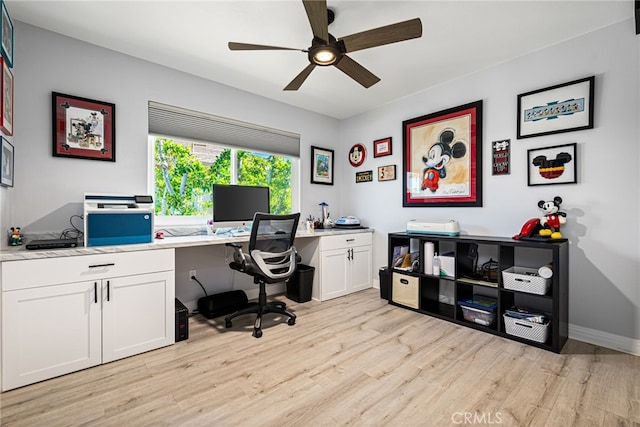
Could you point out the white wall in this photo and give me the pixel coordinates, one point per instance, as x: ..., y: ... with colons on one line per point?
x: 603, y: 211
x: 49, y: 189
x: 602, y: 208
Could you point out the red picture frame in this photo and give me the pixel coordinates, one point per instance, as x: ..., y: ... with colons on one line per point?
x: 442, y: 158
x: 83, y: 128
x: 382, y: 147
x: 6, y: 98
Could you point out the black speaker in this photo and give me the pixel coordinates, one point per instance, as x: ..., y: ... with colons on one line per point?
x: 467, y: 255
x: 182, y: 321
x: 221, y: 304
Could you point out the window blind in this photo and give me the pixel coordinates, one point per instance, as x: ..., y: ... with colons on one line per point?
x: 177, y: 122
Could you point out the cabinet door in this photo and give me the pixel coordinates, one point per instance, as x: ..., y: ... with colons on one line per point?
x: 360, y: 268
x: 138, y: 314
x: 334, y: 274
x: 49, y: 331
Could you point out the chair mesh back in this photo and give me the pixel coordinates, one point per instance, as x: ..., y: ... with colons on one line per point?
x: 273, y: 233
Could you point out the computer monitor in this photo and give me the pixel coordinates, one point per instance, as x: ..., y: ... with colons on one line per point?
x: 235, y: 205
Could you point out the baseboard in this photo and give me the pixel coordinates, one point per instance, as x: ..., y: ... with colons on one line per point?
x: 604, y: 339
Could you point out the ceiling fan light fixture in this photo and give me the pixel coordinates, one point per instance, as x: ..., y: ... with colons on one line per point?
x: 323, y: 55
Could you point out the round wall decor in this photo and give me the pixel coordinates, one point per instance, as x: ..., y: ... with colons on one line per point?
x: 357, y: 155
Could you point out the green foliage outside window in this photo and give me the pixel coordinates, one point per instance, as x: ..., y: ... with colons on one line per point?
x: 183, y: 183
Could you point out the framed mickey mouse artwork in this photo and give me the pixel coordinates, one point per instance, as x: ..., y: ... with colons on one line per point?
x: 552, y: 165
x: 442, y: 158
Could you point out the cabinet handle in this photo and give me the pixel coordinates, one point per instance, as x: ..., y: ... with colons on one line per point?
x: 95, y: 292
x: 108, y: 291
x: 350, y: 240
x: 111, y: 264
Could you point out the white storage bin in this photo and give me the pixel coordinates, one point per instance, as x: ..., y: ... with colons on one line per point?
x: 405, y: 290
x: 537, y: 332
x: 525, y: 280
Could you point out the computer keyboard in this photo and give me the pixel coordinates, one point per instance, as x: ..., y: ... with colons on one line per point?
x: 240, y: 233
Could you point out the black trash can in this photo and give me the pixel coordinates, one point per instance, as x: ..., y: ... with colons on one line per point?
x: 300, y: 285
x: 384, y: 283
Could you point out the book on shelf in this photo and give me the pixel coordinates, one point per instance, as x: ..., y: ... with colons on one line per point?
x: 398, y: 255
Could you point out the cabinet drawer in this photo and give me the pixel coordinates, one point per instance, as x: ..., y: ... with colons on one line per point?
x: 405, y: 290
x: 26, y: 274
x: 345, y: 241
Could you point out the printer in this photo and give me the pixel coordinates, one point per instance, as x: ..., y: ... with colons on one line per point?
x: 111, y: 219
x: 446, y: 228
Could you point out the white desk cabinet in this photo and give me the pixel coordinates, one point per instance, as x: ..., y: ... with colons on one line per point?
x: 345, y: 264
x: 61, y: 315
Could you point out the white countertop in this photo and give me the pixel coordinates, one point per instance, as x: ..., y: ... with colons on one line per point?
x: 20, y: 253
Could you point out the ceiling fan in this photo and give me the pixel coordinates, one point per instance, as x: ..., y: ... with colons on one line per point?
x: 326, y: 50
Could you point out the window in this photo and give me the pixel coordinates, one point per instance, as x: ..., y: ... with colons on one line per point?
x: 189, y: 151
x: 184, y: 174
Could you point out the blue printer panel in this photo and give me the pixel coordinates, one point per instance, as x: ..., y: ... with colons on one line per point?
x: 119, y: 228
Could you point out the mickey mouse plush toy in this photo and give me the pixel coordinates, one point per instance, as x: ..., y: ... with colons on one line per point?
x: 553, y: 218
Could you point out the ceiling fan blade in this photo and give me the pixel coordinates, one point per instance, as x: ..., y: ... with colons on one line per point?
x: 356, y: 71
x: 393, y: 33
x: 300, y: 78
x: 317, y: 14
x: 248, y: 46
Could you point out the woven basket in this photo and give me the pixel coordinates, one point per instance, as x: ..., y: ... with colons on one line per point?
x: 521, y: 328
x: 525, y: 280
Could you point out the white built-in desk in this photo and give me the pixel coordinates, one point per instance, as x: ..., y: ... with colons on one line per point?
x: 69, y: 309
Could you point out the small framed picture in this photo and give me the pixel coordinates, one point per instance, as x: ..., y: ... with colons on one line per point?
x: 552, y: 165
x: 321, y: 166
x: 387, y: 173
x: 6, y: 163
x: 561, y: 108
x: 382, y: 147
x: 6, y: 98
x: 83, y: 128
x: 6, y: 27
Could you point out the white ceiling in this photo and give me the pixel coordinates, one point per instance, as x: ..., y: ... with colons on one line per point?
x: 459, y: 38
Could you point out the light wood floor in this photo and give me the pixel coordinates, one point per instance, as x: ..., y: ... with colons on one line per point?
x: 353, y: 360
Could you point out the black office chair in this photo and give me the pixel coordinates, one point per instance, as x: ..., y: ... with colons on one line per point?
x: 272, y: 258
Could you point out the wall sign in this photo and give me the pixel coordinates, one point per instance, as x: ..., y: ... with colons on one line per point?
x: 357, y: 155
x: 501, y: 151
x: 365, y: 176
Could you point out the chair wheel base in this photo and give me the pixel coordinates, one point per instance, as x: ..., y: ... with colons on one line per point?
x: 227, y: 324
x: 291, y: 321
x: 257, y: 333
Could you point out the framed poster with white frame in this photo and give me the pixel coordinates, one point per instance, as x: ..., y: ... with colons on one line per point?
x: 561, y: 108
x: 321, y: 166
x: 6, y: 163
x: 552, y: 165
x: 6, y: 98
x: 6, y: 32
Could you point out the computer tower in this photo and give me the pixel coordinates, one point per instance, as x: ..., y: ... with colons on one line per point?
x: 182, y: 321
